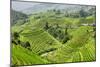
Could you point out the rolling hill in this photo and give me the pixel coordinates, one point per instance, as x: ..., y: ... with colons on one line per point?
x: 80, y: 48
x: 40, y: 40
x: 17, y: 16
x: 53, y: 35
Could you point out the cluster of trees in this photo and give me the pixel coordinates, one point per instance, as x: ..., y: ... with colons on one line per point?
x: 17, y: 41
x: 55, y: 10
x: 80, y: 13
x: 57, y: 32
x: 76, y: 14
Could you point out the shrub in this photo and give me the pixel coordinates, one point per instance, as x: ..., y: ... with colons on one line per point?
x: 14, y: 42
x: 65, y: 39
x: 25, y: 44
x: 46, y: 26
x: 15, y: 35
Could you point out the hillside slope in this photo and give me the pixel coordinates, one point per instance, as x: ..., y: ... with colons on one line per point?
x: 40, y: 40
x: 16, y: 16
x: 80, y: 48
x: 22, y: 56
x: 54, y: 35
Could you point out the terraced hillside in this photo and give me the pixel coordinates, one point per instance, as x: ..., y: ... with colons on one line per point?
x: 22, y: 56
x: 80, y: 48
x: 54, y: 36
x: 40, y: 40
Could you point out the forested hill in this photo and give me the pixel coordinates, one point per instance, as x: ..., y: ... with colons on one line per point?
x: 16, y: 16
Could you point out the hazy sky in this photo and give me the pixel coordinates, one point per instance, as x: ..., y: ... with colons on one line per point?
x: 22, y: 5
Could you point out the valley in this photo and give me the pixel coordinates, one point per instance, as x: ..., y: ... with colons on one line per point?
x: 54, y: 36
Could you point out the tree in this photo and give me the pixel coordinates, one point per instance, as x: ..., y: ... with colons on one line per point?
x: 58, y: 12
x: 19, y: 42
x: 15, y: 39
x: 92, y: 11
x: 27, y: 44
x: 82, y: 13
x: 66, y: 31
x: 54, y: 10
x: 57, y: 26
x: 69, y: 24
x: 15, y: 35
x: 65, y: 39
x: 46, y: 26
x: 14, y: 42
x: 66, y: 36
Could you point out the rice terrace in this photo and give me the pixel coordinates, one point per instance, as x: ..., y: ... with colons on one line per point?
x: 52, y: 33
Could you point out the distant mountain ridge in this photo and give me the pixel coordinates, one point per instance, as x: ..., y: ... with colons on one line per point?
x: 44, y: 7
x: 16, y: 16
x: 39, y: 7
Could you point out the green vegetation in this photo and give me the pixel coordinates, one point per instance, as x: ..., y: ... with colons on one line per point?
x: 53, y: 36
x: 22, y: 56
x: 79, y: 48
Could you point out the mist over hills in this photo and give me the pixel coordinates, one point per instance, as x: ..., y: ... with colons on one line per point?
x: 16, y: 16
x: 34, y: 7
